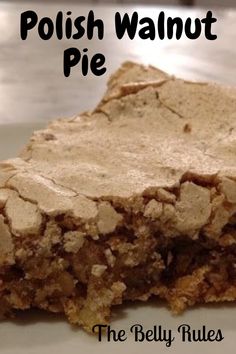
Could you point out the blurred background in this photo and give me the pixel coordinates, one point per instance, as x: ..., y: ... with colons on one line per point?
x: 222, y: 3
x: 33, y: 89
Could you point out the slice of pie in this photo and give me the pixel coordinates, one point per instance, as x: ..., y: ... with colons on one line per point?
x: 137, y: 198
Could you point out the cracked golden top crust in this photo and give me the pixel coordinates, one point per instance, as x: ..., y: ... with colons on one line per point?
x: 144, y: 134
x: 137, y: 141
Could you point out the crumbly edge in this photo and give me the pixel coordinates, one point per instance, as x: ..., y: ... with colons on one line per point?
x: 83, y: 266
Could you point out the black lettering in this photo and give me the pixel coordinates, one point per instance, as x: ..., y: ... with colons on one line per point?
x: 168, y: 338
x: 161, y: 25
x: 198, y: 28
x: 121, y: 336
x: 99, y: 327
x: 211, y: 335
x: 45, y: 22
x: 196, y: 335
x: 219, y: 336
x: 149, y: 335
x: 171, y: 22
x: 147, y: 31
x: 184, y: 329
x: 59, y: 21
x: 28, y: 21
x: 126, y: 24
x: 139, y: 335
x: 208, y: 21
x: 112, y: 335
x: 85, y: 62
x: 71, y: 58
x: 94, y: 23
x: 96, y: 65
x: 79, y: 27
x: 68, y: 26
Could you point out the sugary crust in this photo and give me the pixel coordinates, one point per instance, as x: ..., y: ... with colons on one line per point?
x: 106, y: 152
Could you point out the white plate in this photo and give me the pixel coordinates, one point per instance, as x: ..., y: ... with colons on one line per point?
x: 41, y: 333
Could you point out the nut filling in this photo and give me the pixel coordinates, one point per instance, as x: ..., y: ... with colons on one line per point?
x: 83, y: 269
x: 124, y: 203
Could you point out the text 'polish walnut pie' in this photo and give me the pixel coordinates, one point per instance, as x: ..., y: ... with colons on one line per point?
x: 133, y: 200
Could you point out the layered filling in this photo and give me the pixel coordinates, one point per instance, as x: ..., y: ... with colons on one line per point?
x: 179, y: 245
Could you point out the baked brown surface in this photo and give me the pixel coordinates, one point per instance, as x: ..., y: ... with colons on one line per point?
x: 137, y: 198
